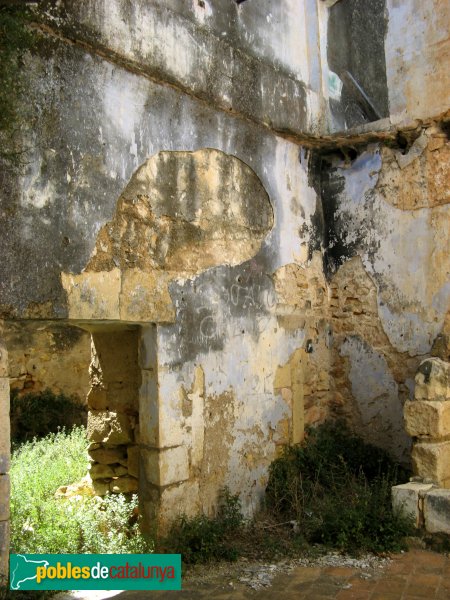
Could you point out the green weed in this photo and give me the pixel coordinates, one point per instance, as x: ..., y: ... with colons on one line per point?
x: 205, y: 539
x: 338, y: 490
x: 41, y: 523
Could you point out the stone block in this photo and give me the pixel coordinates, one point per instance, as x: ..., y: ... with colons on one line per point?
x: 5, y: 425
x: 150, y: 462
x: 432, y: 461
x: 4, y: 497
x: 97, y: 398
x: 145, y: 297
x: 109, y: 456
x: 98, y: 425
x: 165, y: 467
x: 437, y: 511
x: 174, y: 465
x: 93, y: 295
x: 4, y: 369
x: 121, y: 431
x: 98, y: 471
x: 4, y: 552
x: 408, y: 497
x: 109, y: 427
x: 148, y: 410
x: 433, y: 380
x: 148, y: 348
x: 427, y: 418
x: 133, y: 453
x: 84, y: 487
x: 171, y: 431
x: 124, y: 485
x: 123, y: 397
x: 120, y: 471
x: 101, y: 487
x: 176, y: 500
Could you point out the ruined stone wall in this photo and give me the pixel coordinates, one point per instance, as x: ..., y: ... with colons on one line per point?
x: 48, y: 356
x: 113, y: 402
x: 385, y: 209
x: 183, y: 183
x: 387, y: 223
x: 165, y: 191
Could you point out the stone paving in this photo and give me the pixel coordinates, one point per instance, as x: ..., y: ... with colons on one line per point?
x: 414, y: 575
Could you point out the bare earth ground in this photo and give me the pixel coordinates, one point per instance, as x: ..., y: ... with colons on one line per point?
x: 257, y: 575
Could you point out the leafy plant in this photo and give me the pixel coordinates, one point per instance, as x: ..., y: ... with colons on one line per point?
x: 38, y: 413
x: 41, y: 523
x: 338, y: 491
x: 205, y: 539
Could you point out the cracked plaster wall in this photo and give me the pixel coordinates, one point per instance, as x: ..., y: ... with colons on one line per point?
x: 100, y: 101
x: 386, y: 223
x: 417, y: 58
x: 85, y: 145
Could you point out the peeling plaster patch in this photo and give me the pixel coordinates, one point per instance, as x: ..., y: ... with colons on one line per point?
x: 347, y: 199
x: 410, y: 271
x: 375, y: 392
x: 406, y: 329
x: 220, y: 304
x: 363, y: 174
x: 179, y: 216
x: 180, y: 213
x: 402, y: 250
x: 290, y: 235
x: 424, y: 181
x: 124, y: 108
x: 242, y: 367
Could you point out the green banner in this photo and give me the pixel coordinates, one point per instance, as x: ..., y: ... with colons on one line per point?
x: 95, y: 571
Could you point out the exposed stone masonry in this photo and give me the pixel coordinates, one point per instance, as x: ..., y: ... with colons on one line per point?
x: 113, y: 420
x: 427, y: 420
x: 200, y: 172
x: 48, y: 356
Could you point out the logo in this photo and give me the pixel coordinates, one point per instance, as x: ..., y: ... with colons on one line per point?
x: 95, y: 571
